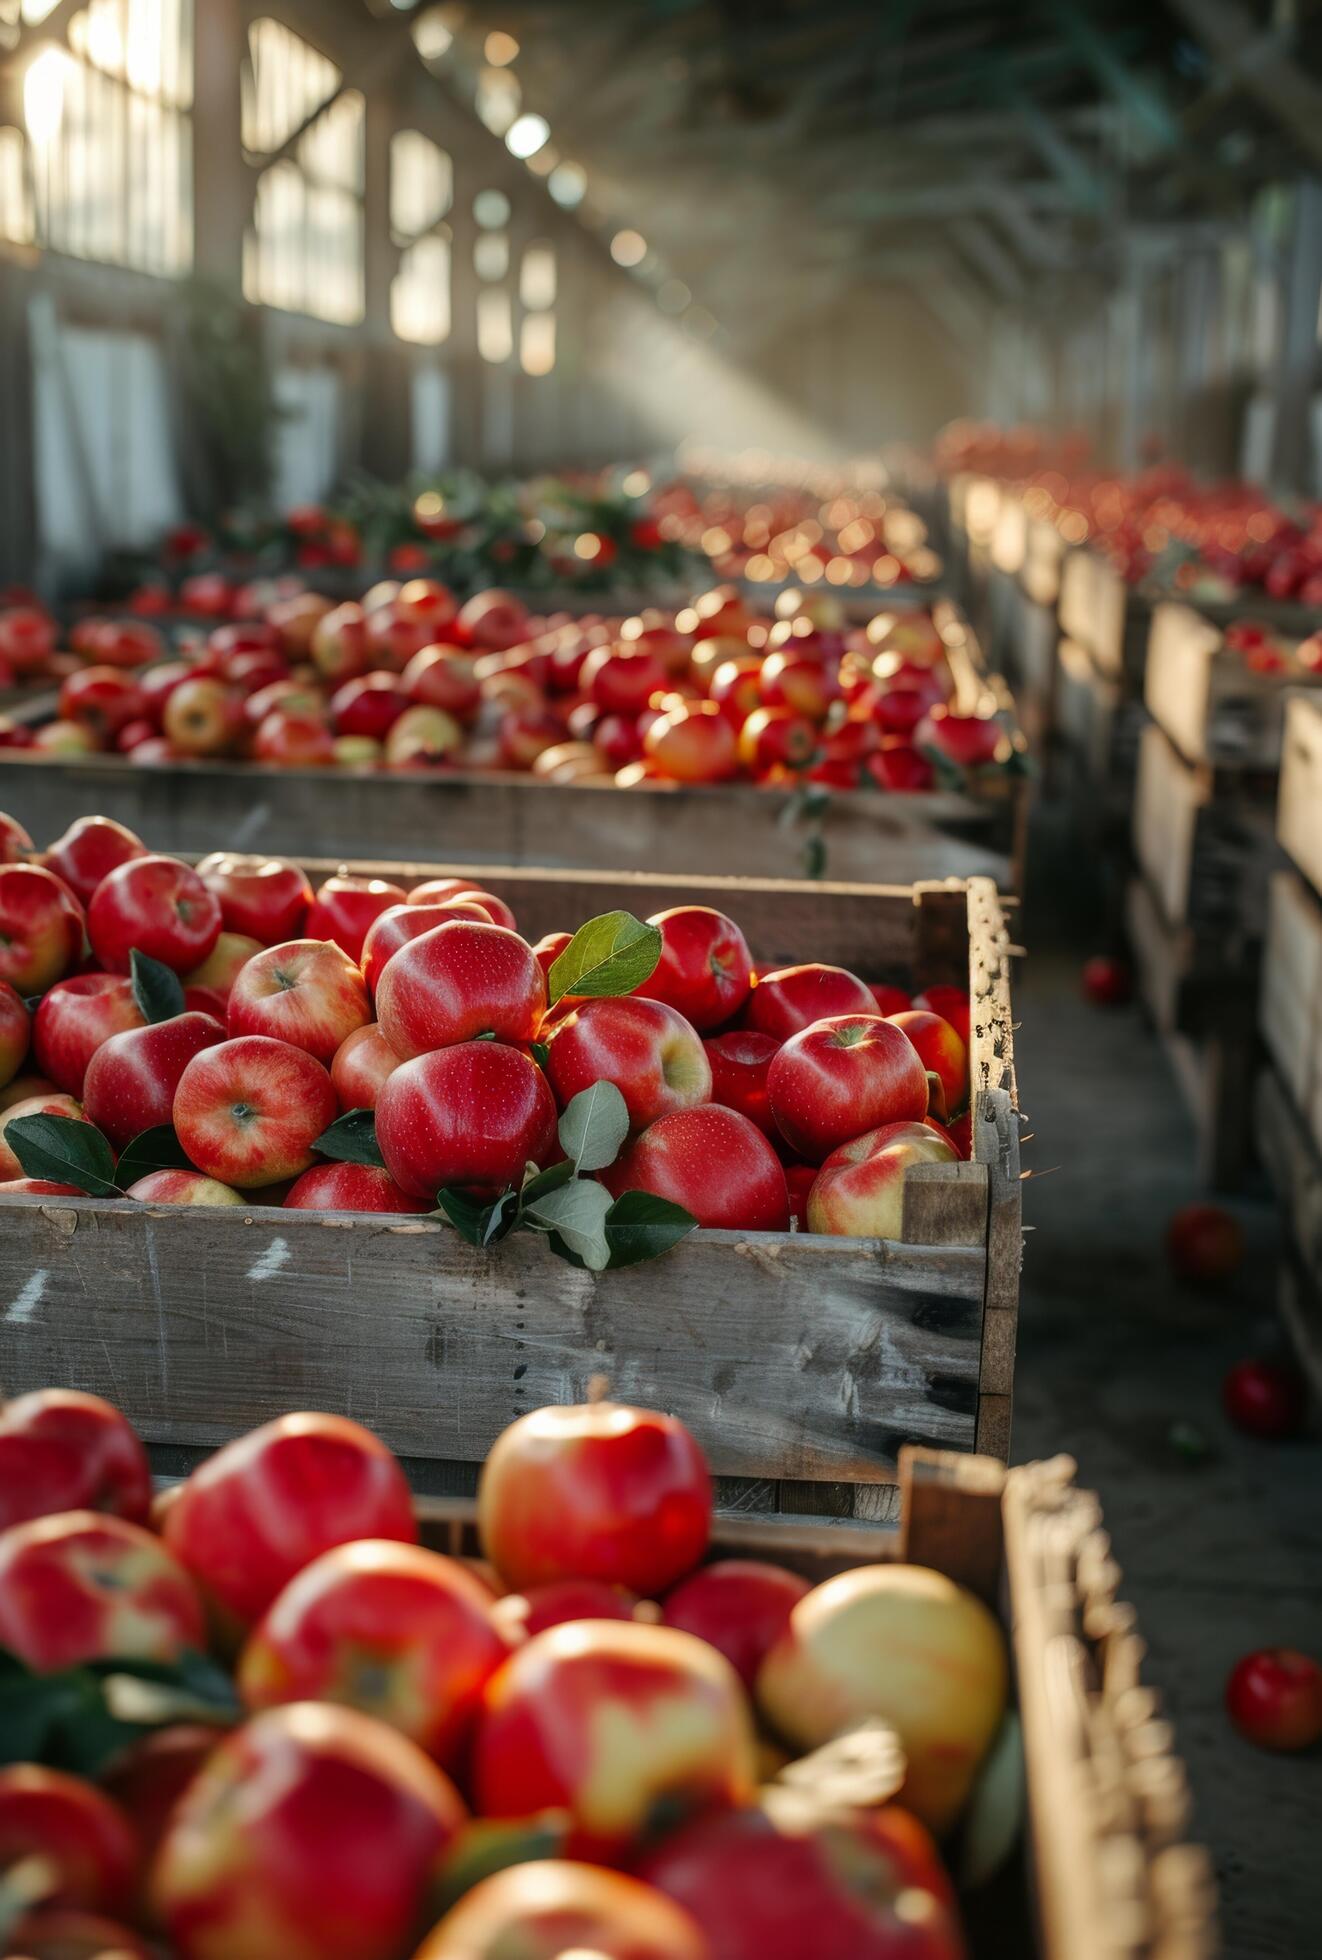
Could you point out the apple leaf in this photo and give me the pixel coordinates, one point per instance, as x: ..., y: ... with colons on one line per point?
x: 152, y: 1150
x: 64, y: 1150
x: 641, y: 1226
x: 351, y: 1139
x: 576, y: 1214
x: 549, y: 1180
x: 610, y: 955
x: 502, y: 1217
x: 157, y: 991
x: 541, y: 1054
x: 74, y: 1719
x: 593, y: 1127
x: 469, y: 1216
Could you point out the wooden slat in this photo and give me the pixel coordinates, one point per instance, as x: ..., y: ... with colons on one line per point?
x: 1299, y: 814
x: 1291, y: 1005
x: 1212, y: 706
x: 1294, y: 1164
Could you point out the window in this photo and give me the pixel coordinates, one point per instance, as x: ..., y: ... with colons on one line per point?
x: 495, y: 325
x: 537, y: 281
x: 421, y: 192
x: 304, y: 252
x: 108, y: 138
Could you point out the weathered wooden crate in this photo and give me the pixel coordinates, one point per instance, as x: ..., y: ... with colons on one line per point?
x: 1044, y: 560
x: 1104, y: 615
x: 802, y: 1363
x: 1205, y: 839
x: 1291, y: 1004
x: 1213, y: 707
x: 1299, y: 809
x: 1106, y: 1872
x: 1293, y: 1160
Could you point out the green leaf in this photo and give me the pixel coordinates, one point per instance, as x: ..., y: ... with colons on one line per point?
x: 351, y: 1139
x: 576, y: 1213
x: 469, y: 1216
x: 541, y: 1054
x: 549, y: 1180
x: 71, y: 1720
x: 152, y: 1150
x: 609, y: 955
x: 502, y: 1217
x: 64, y: 1150
x: 642, y: 1226
x: 487, y: 1845
x: 157, y: 990
x: 594, y: 1125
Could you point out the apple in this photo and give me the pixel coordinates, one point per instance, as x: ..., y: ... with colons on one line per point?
x: 286, y: 696
x: 28, y: 637
x: 1274, y: 1699
x: 1204, y: 1242
x: 908, y: 1646
x: 249, y: 1111
x: 154, y: 753
x: 263, y: 898
x: 23, y: 1088
x: 36, y: 1187
x: 893, y: 1000
x: 443, y: 677
x: 361, y: 1064
x: 296, y: 619
x: 556, y: 1907
x: 772, y: 737
x: 522, y: 1614
x: 739, y: 1063
x: 438, y: 891
x: 735, y: 687
x: 456, y: 982
x: 371, y: 704
x: 424, y: 1619
x: 307, y: 992
x: 791, y: 998
x: 132, y: 1077
x: 621, y: 681
x: 350, y: 1187
x: 1107, y: 982
x: 900, y: 769
x: 705, y: 968
x: 84, y: 1586
x: 41, y: 928
x: 607, y: 1720
x: 345, y: 907
x: 711, y: 1160
x: 339, y: 643
x: 148, y: 1778
x: 157, y: 906
x: 81, y: 1835
x: 47, y: 1105
x: 844, y: 1075
x: 597, y: 1491
x: 492, y: 619
x: 859, y: 1191
x: 711, y: 653
x: 647, y: 1049
x: 898, y: 710
x: 693, y: 743
x: 157, y: 684
x: 183, y: 1188
x: 951, y: 1003
x: 293, y: 741
x: 971, y: 741
x: 1268, y: 1399
x: 398, y: 924
x: 14, y: 840
x: 473, y: 1115
x: 202, y: 716
x: 791, y: 679
x: 527, y: 733
x: 739, y: 1606
x: 101, y: 700
x: 224, y: 963
x: 547, y: 951
x: 939, y: 1049
x: 61, y: 1450
x: 16, y: 1030
x: 310, y: 1830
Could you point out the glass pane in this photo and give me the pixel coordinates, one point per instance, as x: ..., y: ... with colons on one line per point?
x: 537, y: 278
x: 421, y: 183
x: 283, y: 82
x: 420, y: 293
x: 495, y: 330
x: 491, y: 255
x: 537, y: 343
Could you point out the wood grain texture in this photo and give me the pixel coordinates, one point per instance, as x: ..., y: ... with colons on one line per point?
x: 1299, y: 815
x: 1206, y: 840
x: 1212, y: 706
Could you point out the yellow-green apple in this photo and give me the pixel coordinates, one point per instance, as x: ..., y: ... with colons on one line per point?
x: 493, y: 619
x: 444, y: 677
x: 270, y: 1502
x: 157, y: 906
x: 474, y: 1115
x: 182, y: 1188
x: 739, y: 1606
x: 399, y: 1632
x: 940, y: 1050
x: 48, y: 1105
x: 370, y: 704
x: 647, y: 1049
x: 438, y: 891
x: 249, y: 1111
x: 711, y: 1160
x: 597, y: 1491
x: 345, y: 907
x: 263, y: 898
x: 951, y: 1003
x: 859, y: 1191
x: 158, y: 684
x: 705, y: 968
x: 361, y: 1064
x: 132, y: 1078
x: 294, y: 741
x: 308, y: 992
x: 357, y: 752
x: 223, y: 964
x: 288, y: 697
x: 63, y: 738
x: 776, y: 738
x: 82, y: 1837
x: 607, y: 1720
x: 739, y: 1062
x: 14, y: 840
x: 89, y: 848
x: 74, y: 1018
x: 693, y: 743
x: 61, y: 1450
x: 908, y: 1646
x: 41, y: 928
x: 793, y: 997
x: 15, y: 1033
x: 457, y: 982
x: 839, y: 1077
x: 311, y: 1833
x: 339, y: 643
x: 554, y: 1907
x: 83, y: 1586
x: 202, y: 716
x: 350, y: 1187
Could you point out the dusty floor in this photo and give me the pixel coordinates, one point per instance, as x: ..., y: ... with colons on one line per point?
x: 1219, y: 1556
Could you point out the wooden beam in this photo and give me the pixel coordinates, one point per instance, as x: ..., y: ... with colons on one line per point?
x: 1261, y: 64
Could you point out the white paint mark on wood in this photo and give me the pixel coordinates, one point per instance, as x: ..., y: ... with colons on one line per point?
x: 267, y: 1264
x: 25, y: 1303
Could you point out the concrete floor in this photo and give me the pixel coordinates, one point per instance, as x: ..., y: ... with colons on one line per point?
x: 1222, y: 1555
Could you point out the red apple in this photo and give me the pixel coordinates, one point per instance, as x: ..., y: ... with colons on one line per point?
x: 793, y: 997
x: 457, y: 982
x: 148, y: 1778
x: 522, y: 1614
x: 264, y: 898
x: 1204, y: 1242
x: 841, y: 1076
x: 443, y: 677
x: 131, y: 1079
x: 1268, y: 1399
x: 361, y: 1064
x: 621, y: 681
x: 101, y: 700
x: 1107, y: 982
x: 14, y: 840
x: 693, y: 743
x: 894, y: 1000
x: 350, y: 1187
x: 306, y: 992
x: 37, y: 1187
x: 157, y: 684
x: 16, y: 1030
x: 345, y: 907
x: 859, y: 1191
x: 422, y: 738
x: 84, y: 1839
x: 739, y: 1063
x: 549, y: 1908
x: 735, y: 688
x: 41, y: 928
x: 548, y: 949
x: 293, y: 741
x: 398, y: 924
x: 739, y: 1606
x: 616, y: 737
x: 647, y: 1049
x: 249, y: 1111
x: 158, y: 906
x: 86, y: 1586
x: 286, y: 697
x: 776, y: 737
x: 714, y: 1162
x: 472, y: 1115
x: 296, y: 619
x: 1274, y: 1699
x: 939, y: 1049
x: 900, y: 769
x: 369, y: 705
x: 951, y: 1003
x: 438, y: 891
x: 492, y: 619
x: 27, y: 639
x: 23, y: 1088
x: 311, y: 1830
x: 183, y: 1188
x: 61, y: 1450
x: 339, y: 643
x: 202, y: 716
x: 705, y: 968
x: 794, y: 680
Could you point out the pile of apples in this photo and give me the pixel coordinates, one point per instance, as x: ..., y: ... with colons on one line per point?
x: 1263, y: 650
x: 30, y: 652
x: 778, y: 532
x: 239, y: 1013
x: 408, y: 681
x: 592, y: 1739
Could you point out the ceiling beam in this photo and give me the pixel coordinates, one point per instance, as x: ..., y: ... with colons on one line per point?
x: 1138, y: 97
x: 1261, y: 64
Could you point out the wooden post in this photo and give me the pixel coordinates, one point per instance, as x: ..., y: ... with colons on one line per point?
x: 222, y: 186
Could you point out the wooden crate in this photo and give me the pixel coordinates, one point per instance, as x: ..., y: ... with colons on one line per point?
x: 1044, y: 559
x: 1293, y: 1160
x: 1213, y: 708
x: 1096, y: 727
x: 802, y: 1363
x: 1299, y: 809
x: 1291, y: 1005
x: 1107, y: 1872
x: 1104, y: 615
x: 1205, y: 839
